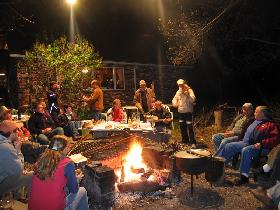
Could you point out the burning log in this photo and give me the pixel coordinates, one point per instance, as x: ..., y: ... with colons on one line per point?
x: 145, y: 176
x: 149, y: 186
x: 137, y: 170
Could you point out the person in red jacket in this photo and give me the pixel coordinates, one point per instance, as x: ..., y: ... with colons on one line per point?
x: 260, y: 137
x: 54, y: 175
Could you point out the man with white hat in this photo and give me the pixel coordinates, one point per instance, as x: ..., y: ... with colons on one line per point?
x: 184, y: 100
x: 11, y: 158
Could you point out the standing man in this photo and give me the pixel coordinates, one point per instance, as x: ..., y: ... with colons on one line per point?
x: 184, y: 100
x: 95, y: 100
x: 53, y: 101
x: 143, y: 98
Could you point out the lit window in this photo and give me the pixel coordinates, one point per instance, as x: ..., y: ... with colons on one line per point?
x: 111, y: 78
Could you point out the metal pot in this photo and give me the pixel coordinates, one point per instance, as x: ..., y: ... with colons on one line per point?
x: 191, y: 162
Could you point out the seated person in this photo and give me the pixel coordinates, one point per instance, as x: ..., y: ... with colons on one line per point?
x: 260, y: 137
x: 272, y: 165
x: 43, y: 126
x: 30, y: 151
x: 6, y: 114
x: 163, y: 120
x: 69, y: 121
x: 116, y: 113
x: 11, y: 158
x: 234, y: 131
x: 55, y: 184
x: 270, y: 197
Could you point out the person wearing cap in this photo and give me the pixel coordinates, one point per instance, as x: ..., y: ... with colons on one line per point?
x: 55, y: 184
x: 143, y: 98
x: 236, y: 130
x: 11, y: 158
x: 184, y: 100
x: 95, y: 100
x: 260, y: 137
x: 5, y: 113
x: 52, y: 96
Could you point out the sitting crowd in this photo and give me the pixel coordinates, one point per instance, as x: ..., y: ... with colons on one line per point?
x: 54, y: 183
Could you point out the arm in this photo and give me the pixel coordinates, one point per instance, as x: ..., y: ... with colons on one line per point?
x: 70, y: 174
x: 136, y: 101
x: 93, y: 97
x: 13, y: 160
x: 32, y: 126
x: 191, y: 95
x: 273, y: 137
x: 175, y: 100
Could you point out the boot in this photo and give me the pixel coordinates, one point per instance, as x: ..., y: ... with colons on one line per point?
x: 242, y: 180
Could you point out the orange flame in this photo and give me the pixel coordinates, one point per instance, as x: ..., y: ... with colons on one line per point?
x: 133, y: 159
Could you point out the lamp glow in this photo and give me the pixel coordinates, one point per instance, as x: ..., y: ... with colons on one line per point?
x: 71, y: 2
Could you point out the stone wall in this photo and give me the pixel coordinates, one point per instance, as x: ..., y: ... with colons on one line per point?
x: 163, y: 76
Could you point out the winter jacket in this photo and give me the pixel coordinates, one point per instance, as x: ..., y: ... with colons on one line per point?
x: 266, y: 133
x: 11, y: 162
x: 95, y: 100
x: 184, y: 101
x: 138, y: 101
x: 40, y: 121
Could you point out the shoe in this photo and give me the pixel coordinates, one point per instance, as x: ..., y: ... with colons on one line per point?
x: 261, y: 195
x: 257, y: 172
x: 193, y: 146
x: 242, y: 180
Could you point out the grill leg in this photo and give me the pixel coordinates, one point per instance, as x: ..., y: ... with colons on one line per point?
x: 191, y: 185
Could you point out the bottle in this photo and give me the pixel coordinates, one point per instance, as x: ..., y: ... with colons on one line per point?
x: 129, y: 121
x: 124, y: 120
x: 19, y: 114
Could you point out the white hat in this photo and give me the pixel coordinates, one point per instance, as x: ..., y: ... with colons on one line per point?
x: 180, y: 82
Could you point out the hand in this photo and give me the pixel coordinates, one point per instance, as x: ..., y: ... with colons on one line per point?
x: 257, y: 145
x: 17, y: 145
x: 79, y: 174
x: 228, y: 134
x: 47, y: 130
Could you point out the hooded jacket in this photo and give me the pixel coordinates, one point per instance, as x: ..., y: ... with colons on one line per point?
x: 11, y: 162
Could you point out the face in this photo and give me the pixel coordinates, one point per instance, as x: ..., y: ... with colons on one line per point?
x: 69, y: 109
x: 16, y: 134
x: 117, y: 104
x: 158, y: 105
x: 259, y: 114
x: 40, y: 108
x: 142, y: 86
x: 7, y: 116
x: 246, y: 111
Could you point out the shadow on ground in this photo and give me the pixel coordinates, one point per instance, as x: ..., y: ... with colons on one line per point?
x: 202, y: 198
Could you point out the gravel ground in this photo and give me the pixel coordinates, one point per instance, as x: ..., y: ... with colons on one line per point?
x: 222, y: 196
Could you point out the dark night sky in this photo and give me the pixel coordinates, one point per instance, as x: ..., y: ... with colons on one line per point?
x: 121, y: 30
x: 127, y: 30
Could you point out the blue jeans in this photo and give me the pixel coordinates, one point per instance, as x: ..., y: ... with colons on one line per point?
x: 78, y: 200
x: 44, y: 138
x: 223, y: 142
x: 231, y: 149
x: 247, y: 154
